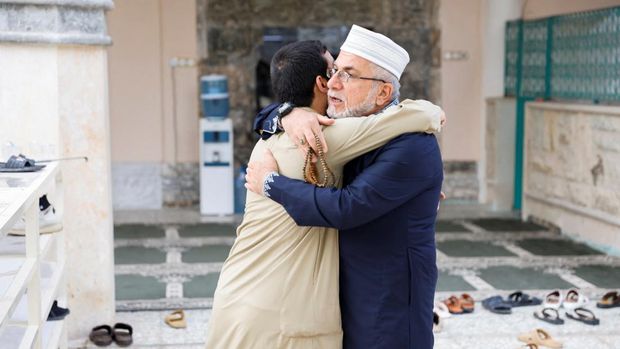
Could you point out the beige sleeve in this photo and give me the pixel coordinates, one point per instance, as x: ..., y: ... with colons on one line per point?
x: 350, y: 137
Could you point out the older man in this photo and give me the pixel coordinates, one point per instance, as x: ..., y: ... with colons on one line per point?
x: 385, y: 213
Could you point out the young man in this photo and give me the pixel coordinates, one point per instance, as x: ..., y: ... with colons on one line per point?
x: 386, y: 211
x: 279, y: 286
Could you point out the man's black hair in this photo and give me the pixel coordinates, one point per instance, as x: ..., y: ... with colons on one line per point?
x: 294, y: 69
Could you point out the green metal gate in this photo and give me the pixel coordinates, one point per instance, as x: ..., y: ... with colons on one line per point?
x: 572, y: 57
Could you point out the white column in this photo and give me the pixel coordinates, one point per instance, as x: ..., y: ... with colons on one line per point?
x: 54, y: 90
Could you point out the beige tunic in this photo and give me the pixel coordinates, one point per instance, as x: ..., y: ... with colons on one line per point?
x: 279, y: 286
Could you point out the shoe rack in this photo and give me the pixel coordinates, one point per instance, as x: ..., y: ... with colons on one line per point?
x: 32, y: 267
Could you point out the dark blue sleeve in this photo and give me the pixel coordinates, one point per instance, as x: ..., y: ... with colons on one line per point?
x: 404, y: 168
x: 264, y: 123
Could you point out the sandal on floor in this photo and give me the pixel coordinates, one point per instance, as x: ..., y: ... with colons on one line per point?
x: 176, y: 319
x: 101, y: 335
x: 123, y: 334
x: 467, y: 303
x: 549, y: 315
x: 574, y: 299
x: 609, y: 300
x: 520, y: 299
x: 497, y: 305
x: 540, y: 337
x: 454, y: 305
x: 553, y: 300
x: 584, y: 315
x: 442, y: 310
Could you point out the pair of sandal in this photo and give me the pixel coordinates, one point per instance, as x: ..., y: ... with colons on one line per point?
x: 552, y: 316
x: 609, y: 300
x: 104, y: 335
x: 539, y: 337
x: 572, y: 300
x: 460, y: 305
x: 498, y: 305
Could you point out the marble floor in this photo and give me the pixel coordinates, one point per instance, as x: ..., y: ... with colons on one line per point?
x: 167, y: 260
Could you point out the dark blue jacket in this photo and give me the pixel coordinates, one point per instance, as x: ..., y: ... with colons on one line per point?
x: 386, y: 215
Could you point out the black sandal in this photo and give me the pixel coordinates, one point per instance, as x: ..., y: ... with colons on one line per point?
x: 584, y: 315
x: 123, y: 334
x: 101, y: 335
x: 19, y: 163
x: 520, y: 299
x: 549, y: 315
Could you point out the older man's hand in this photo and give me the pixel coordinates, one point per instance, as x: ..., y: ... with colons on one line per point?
x: 258, y: 170
x: 302, y: 125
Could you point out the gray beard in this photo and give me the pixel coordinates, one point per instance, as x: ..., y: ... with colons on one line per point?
x: 362, y: 109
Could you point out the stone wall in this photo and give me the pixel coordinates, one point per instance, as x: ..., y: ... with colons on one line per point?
x: 572, y: 169
x: 460, y: 182
x: 230, y: 34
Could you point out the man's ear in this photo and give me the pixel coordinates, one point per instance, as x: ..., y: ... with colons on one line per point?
x: 321, y: 83
x: 385, y: 94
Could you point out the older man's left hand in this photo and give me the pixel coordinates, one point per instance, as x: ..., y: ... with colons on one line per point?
x: 258, y: 170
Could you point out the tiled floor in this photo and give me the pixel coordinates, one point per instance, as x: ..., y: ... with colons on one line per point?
x: 466, y: 248
x: 514, y: 278
x: 163, y: 265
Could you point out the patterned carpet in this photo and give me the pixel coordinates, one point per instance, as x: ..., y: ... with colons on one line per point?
x: 169, y: 266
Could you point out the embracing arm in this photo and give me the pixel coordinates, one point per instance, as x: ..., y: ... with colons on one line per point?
x: 351, y: 137
x: 408, y: 166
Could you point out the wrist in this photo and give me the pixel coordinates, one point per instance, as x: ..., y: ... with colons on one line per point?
x: 285, y: 109
x: 269, y: 178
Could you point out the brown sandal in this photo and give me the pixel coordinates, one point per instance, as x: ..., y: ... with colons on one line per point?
x: 176, y: 319
x: 101, y: 336
x: 123, y: 334
x: 467, y: 303
x: 609, y: 300
x: 454, y: 305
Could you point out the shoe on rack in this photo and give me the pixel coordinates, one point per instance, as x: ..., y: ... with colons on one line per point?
x: 57, y: 313
x: 49, y: 222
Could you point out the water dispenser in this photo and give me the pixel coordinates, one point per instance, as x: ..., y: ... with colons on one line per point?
x: 216, y: 167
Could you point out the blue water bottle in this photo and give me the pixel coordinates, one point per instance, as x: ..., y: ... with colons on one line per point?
x: 240, y: 191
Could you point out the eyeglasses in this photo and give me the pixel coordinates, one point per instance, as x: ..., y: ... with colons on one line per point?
x: 344, y: 76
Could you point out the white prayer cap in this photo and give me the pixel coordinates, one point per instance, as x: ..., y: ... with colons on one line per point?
x: 377, y: 48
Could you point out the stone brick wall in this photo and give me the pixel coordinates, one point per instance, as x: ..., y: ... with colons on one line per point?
x: 231, y: 32
x: 460, y: 180
x: 572, y: 169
